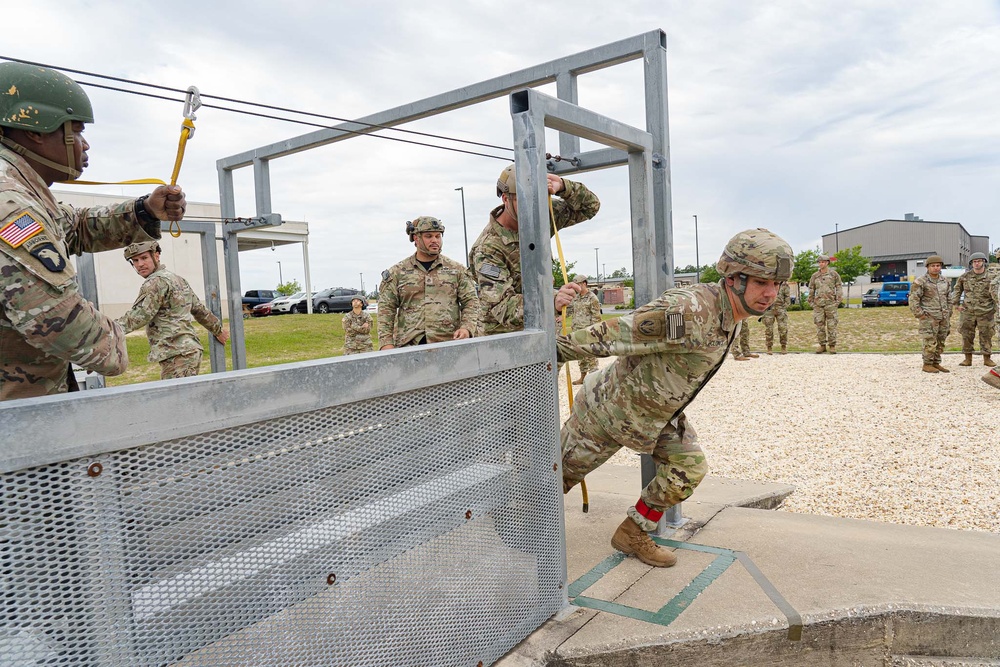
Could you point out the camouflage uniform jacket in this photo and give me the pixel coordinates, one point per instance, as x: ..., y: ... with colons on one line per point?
x: 668, y: 350
x: 784, y: 298
x: 495, y: 259
x: 357, y: 331
x: 44, y: 320
x: 930, y: 297
x: 826, y: 289
x: 167, y: 307
x: 414, y: 301
x: 586, y: 310
x: 979, y: 298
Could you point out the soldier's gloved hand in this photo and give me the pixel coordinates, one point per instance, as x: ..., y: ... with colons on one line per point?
x: 167, y: 202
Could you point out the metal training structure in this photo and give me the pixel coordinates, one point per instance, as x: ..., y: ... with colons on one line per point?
x: 395, y: 508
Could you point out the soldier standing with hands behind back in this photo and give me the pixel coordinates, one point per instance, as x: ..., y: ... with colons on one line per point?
x: 930, y: 304
x: 826, y: 291
x: 357, y: 329
x: 586, y: 310
x: 779, y: 312
x: 45, y: 323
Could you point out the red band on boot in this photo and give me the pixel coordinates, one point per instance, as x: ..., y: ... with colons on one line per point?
x: 994, y: 372
x: 647, y: 511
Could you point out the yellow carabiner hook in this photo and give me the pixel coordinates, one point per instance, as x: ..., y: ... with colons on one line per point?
x: 191, y: 104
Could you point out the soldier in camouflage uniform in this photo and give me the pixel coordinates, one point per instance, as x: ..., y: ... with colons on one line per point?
x: 357, y: 329
x: 741, y: 350
x: 495, y: 257
x: 667, y: 351
x: 45, y: 323
x: 779, y: 312
x: 826, y: 291
x: 930, y: 304
x: 586, y: 310
x: 978, y: 309
x: 167, y: 307
x: 426, y: 298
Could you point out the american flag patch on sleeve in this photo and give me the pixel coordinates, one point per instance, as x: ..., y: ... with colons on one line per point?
x: 20, y: 229
x: 675, y: 326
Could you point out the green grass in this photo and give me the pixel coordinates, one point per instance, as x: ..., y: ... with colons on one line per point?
x: 288, y: 338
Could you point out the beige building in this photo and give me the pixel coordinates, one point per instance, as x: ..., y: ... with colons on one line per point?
x: 118, y: 284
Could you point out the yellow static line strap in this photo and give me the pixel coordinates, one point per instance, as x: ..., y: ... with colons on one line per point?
x: 565, y: 331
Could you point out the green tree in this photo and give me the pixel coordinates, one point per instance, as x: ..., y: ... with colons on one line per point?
x: 690, y: 268
x: 289, y: 288
x: 621, y: 273
x: 557, y: 276
x: 710, y: 274
x: 806, y: 263
x: 850, y: 264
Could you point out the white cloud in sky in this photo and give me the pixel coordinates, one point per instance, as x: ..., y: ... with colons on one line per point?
x: 791, y: 115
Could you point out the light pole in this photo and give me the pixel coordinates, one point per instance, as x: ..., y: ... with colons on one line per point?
x: 697, y: 260
x: 604, y: 267
x: 597, y: 264
x: 281, y: 281
x: 836, y: 234
x: 362, y: 282
x: 465, y: 232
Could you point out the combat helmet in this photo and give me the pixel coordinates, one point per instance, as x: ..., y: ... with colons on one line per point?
x: 759, y: 253
x: 139, y: 248
x: 581, y: 278
x: 424, y: 223
x: 42, y: 100
x: 934, y: 259
x: 978, y: 255
x: 507, y: 183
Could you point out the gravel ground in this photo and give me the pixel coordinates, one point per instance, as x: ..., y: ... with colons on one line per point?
x: 864, y: 436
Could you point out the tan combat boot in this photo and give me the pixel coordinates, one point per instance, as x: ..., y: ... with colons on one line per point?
x: 740, y: 357
x: 821, y: 350
x: 769, y: 350
x: 580, y: 381
x: 941, y: 369
x: 751, y: 355
x: 987, y: 361
x: 634, y: 541
x: 930, y: 368
x: 992, y: 379
x: 967, y: 361
x: 784, y: 349
x: 833, y: 349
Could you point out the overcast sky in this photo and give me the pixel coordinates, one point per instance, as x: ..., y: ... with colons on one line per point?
x: 795, y: 116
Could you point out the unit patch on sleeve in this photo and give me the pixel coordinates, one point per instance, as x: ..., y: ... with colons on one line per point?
x: 20, y: 229
x: 50, y: 258
x: 490, y: 271
x: 648, y: 326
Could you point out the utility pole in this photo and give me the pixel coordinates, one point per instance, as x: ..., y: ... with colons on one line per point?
x: 597, y: 264
x: 697, y: 259
x: 465, y: 232
x: 281, y: 281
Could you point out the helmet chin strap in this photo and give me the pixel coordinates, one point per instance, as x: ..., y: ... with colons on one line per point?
x: 70, y: 142
x: 740, y: 288
x: 422, y: 247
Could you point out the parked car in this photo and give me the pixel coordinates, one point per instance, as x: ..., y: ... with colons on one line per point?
x: 255, y: 297
x: 870, y: 298
x: 336, y: 300
x: 301, y: 305
x: 287, y: 304
x: 894, y: 294
x: 261, y: 310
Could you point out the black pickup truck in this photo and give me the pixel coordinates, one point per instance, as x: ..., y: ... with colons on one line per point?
x: 256, y: 297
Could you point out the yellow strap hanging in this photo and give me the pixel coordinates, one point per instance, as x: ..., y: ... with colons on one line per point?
x: 565, y: 331
x: 191, y: 104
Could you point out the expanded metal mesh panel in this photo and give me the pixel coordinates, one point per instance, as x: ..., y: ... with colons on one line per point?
x: 420, y: 528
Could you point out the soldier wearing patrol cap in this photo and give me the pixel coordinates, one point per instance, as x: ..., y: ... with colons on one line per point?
x: 168, y: 308
x: 930, y: 303
x: 667, y: 351
x: 45, y: 323
x: 976, y: 302
x: 426, y: 298
x: 495, y: 257
x: 826, y: 291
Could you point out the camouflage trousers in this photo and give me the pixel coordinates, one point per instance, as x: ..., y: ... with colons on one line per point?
x: 181, y: 366
x: 588, y: 365
x: 680, y: 463
x: 768, y: 319
x: 825, y: 319
x: 741, y: 347
x: 352, y: 347
x: 967, y: 325
x: 933, y: 332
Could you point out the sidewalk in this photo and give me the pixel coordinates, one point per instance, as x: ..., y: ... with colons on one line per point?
x: 864, y: 592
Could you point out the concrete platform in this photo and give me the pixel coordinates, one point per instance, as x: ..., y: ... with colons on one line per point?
x: 865, y: 593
